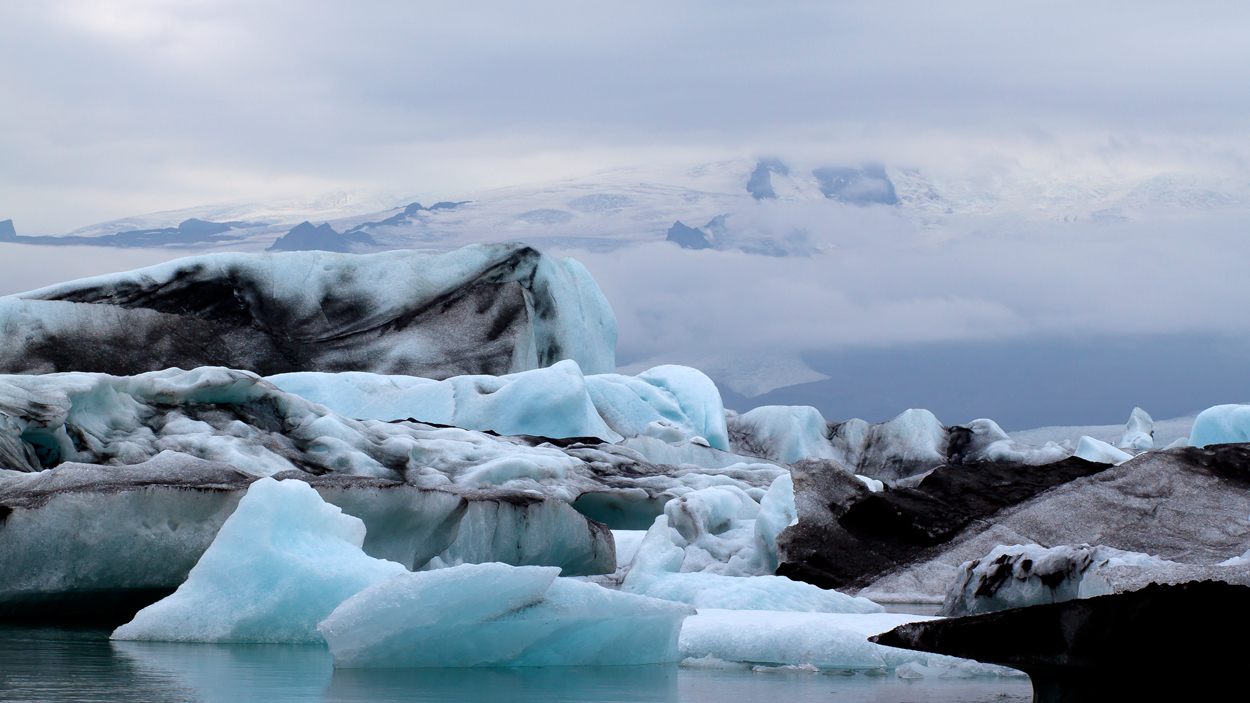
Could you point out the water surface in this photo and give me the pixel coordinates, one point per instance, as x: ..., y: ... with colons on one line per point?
x: 55, y: 665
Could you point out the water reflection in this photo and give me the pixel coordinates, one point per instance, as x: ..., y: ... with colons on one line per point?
x: 60, y: 665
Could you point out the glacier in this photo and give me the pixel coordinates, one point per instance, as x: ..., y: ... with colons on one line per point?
x: 483, y: 309
x: 282, y: 562
x: 497, y: 615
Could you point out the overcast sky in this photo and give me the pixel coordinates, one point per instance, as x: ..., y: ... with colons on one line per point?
x: 112, y: 108
x: 109, y: 109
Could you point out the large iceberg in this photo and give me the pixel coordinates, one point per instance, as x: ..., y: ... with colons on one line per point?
x: 279, y: 565
x: 486, y: 308
x: 1222, y: 424
x: 498, y: 615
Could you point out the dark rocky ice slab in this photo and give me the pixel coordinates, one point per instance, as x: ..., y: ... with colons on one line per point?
x: 1111, y: 647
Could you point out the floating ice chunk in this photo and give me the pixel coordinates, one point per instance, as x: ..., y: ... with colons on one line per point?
x: 1178, y: 442
x: 1099, y: 452
x: 1222, y: 424
x: 821, y: 640
x: 499, y: 615
x: 1014, y: 576
x: 282, y: 562
x: 773, y: 593
x: 1139, y: 432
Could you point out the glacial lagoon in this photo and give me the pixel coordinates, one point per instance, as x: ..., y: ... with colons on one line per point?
x: 55, y: 665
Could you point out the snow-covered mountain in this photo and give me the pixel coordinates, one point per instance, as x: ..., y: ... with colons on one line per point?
x: 767, y: 206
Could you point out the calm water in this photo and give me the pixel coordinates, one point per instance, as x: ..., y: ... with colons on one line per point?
x: 81, y: 665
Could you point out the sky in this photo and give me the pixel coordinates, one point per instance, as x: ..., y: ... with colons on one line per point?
x: 112, y: 109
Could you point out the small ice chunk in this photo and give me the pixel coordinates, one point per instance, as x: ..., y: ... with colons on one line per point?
x: 873, y: 484
x: 500, y: 615
x: 1100, y: 452
x: 1139, y: 432
x: 282, y: 562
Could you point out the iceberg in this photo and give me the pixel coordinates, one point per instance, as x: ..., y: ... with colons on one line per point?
x: 1138, y: 432
x: 820, y: 640
x: 1222, y: 424
x: 484, y: 309
x: 481, y: 615
x: 1016, y: 576
x: 279, y: 565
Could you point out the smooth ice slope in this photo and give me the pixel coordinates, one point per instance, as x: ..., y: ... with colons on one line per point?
x: 282, y: 562
x: 821, y: 640
x: 673, y: 403
x: 498, y: 615
x: 1222, y: 424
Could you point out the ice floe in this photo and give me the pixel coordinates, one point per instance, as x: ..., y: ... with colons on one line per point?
x: 498, y: 615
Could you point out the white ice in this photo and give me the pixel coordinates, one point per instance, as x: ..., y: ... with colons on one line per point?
x: 550, y: 402
x: 820, y: 640
x: 1100, y: 452
x: 279, y: 565
x: 1222, y: 424
x: 716, y: 548
x: 1138, y: 432
x: 671, y: 403
x: 498, y: 615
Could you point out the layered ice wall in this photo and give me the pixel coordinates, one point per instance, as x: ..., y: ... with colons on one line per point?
x: 279, y: 565
x: 498, y: 615
x: 483, y: 309
x: 671, y: 403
